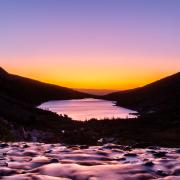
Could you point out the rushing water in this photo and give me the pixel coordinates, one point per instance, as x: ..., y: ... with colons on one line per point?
x: 85, y: 109
x: 29, y: 161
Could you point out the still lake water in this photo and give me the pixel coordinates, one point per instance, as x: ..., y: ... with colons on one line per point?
x: 85, y: 109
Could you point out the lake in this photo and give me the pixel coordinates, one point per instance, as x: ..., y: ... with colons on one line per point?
x: 85, y: 109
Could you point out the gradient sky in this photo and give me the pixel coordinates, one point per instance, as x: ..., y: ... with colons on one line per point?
x: 109, y: 44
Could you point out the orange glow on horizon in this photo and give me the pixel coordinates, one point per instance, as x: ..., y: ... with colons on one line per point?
x: 91, y: 77
x: 89, y: 44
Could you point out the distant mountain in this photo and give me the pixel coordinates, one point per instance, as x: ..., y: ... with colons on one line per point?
x: 98, y: 92
x: 32, y: 91
x: 162, y: 95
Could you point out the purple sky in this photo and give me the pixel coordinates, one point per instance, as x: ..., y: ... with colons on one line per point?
x: 111, y: 44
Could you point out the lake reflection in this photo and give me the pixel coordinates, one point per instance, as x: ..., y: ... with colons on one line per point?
x: 85, y: 109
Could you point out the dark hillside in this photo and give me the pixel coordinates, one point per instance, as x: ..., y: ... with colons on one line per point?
x: 21, y: 121
x: 162, y: 95
x: 34, y: 92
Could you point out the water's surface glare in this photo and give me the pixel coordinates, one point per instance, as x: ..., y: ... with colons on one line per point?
x: 85, y: 109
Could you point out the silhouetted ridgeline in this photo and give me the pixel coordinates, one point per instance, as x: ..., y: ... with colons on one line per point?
x: 21, y: 120
x: 34, y: 92
x: 160, y: 96
x: 19, y: 117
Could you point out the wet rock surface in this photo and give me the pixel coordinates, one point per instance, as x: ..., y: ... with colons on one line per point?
x: 39, y: 161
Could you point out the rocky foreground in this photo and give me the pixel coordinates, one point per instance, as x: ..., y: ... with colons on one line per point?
x: 39, y: 161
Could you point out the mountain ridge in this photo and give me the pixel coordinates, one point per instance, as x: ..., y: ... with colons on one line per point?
x: 20, y: 120
x: 33, y: 91
x: 163, y: 94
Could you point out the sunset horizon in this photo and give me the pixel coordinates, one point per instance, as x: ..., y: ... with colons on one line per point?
x: 95, y: 87
x: 91, y: 45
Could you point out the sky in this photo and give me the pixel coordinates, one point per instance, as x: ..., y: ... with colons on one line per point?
x: 98, y: 44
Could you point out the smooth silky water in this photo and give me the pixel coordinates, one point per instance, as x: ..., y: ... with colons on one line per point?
x: 86, y: 109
